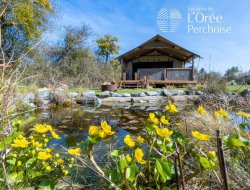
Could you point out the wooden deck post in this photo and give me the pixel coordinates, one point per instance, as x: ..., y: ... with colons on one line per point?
x: 122, y: 66
x: 193, y: 67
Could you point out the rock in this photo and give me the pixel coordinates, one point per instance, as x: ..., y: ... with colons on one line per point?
x: 104, y: 94
x: 89, y: 93
x: 190, y: 92
x: 84, y: 99
x: 167, y: 92
x: 142, y: 94
x: 152, y: 93
x: 28, y: 100
x: 113, y: 94
x: 245, y: 93
x: 198, y: 93
x: 44, y: 97
x: 126, y: 95
x: 184, y: 99
x: 134, y: 94
x: 72, y: 94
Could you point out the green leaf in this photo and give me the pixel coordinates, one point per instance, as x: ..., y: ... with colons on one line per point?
x: 93, y: 140
x: 235, y: 142
x: 19, y: 177
x: 130, y: 174
x: 46, y: 184
x: 12, y: 177
x: 205, y: 162
x: 159, y: 168
x: 116, y: 153
x: 30, y: 162
x: 12, y: 161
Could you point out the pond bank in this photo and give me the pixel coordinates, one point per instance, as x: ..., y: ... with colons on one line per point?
x: 45, y: 97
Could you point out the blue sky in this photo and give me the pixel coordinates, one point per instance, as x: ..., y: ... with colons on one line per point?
x: 134, y: 22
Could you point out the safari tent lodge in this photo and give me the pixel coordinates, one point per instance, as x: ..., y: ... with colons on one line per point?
x: 157, y: 62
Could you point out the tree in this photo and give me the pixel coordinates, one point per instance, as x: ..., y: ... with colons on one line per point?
x: 232, y: 73
x: 22, y: 23
x: 107, y: 47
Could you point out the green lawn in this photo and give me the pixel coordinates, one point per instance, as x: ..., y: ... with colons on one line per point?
x: 237, y: 88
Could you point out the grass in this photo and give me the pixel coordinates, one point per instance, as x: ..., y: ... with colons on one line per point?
x: 23, y: 89
x: 237, y: 88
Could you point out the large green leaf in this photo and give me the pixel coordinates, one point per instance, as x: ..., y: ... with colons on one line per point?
x: 235, y: 142
x: 163, y: 169
x: 16, y: 177
x: 130, y: 173
x: 205, y: 162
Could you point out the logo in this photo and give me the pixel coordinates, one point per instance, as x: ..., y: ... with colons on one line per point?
x: 169, y: 20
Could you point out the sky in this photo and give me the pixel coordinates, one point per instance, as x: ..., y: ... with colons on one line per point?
x: 135, y: 21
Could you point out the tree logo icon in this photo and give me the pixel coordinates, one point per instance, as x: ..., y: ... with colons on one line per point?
x: 168, y: 20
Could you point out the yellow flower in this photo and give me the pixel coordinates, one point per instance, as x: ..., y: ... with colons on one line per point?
x: 33, y: 152
x: 31, y: 137
x: 46, y: 140
x: 211, y: 154
x: 22, y: 143
x: 60, y: 161
x: 201, y: 110
x: 128, y: 158
x: 48, y: 150
x: 164, y: 132
x: 129, y: 141
x: 107, y: 128
x: 153, y: 118
x: 243, y: 114
x: 164, y: 120
x: 72, y: 160
x: 102, y: 134
x: 48, y: 168
x: 42, y: 128
x: 93, y: 130
x: 200, y: 136
x: 54, y: 135
x: 221, y: 114
x: 140, y: 139
x: 20, y: 136
x: 19, y: 163
x: 44, y: 155
x: 37, y: 144
x: 57, y: 155
x: 66, y: 172
x: 74, y: 151
x: 171, y: 108
x: 138, y: 156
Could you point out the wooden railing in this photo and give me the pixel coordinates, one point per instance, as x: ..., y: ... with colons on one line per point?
x: 179, y: 74
x: 175, y: 74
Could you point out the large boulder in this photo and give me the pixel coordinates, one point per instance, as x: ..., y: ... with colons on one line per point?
x: 126, y: 95
x: 44, y: 97
x: 245, y: 93
x: 142, y: 94
x: 28, y: 99
x: 167, y: 92
x: 113, y: 94
x: 85, y: 99
x: 152, y: 93
x: 104, y: 94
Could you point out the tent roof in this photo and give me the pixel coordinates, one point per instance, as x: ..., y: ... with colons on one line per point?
x: 160, y: 45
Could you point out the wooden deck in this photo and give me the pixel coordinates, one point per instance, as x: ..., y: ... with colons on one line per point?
x: 139, y: 83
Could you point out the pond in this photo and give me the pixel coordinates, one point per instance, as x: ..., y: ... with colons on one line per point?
x: 72, y: 125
